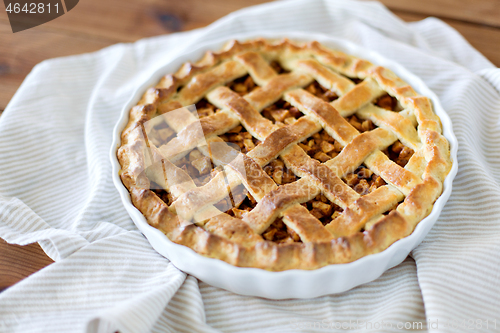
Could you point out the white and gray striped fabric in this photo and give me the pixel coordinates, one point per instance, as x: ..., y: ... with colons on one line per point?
x: 56, y: 189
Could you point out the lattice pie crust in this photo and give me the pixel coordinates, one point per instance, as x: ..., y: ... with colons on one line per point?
x: 338, y: 159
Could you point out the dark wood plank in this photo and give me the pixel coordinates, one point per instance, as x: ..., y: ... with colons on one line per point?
x: 95, y: 24
x: 482, y: 12
x: 127, y: 21
x: 21, y: 51
x: 18, y: 262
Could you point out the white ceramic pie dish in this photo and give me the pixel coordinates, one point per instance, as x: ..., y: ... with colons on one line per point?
x: 291, y: 283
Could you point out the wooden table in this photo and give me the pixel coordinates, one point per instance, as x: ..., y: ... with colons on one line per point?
x: 94, y: 24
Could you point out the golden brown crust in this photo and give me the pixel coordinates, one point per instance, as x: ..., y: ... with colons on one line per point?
x: 309, y: 228
x: 364, y: 209
x: 326, y: 114
x: 361, y: 229
x: 356, y: 151
x: 223, y: 97
x: 281, y: 138
x: 321, y: 176
x: 274, y: 89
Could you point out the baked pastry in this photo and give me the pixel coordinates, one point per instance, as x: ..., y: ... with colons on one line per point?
x: 283, y: 155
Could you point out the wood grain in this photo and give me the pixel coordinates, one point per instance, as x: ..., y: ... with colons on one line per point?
x: 21, y: 51
x: 95, y: 24
x: 18, y: 262
x: 127, y: 21
x: 482, y: 12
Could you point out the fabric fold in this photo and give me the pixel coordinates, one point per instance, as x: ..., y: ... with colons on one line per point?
x: 56, y: 189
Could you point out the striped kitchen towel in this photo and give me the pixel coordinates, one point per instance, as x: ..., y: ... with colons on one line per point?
x: 56, y: 189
